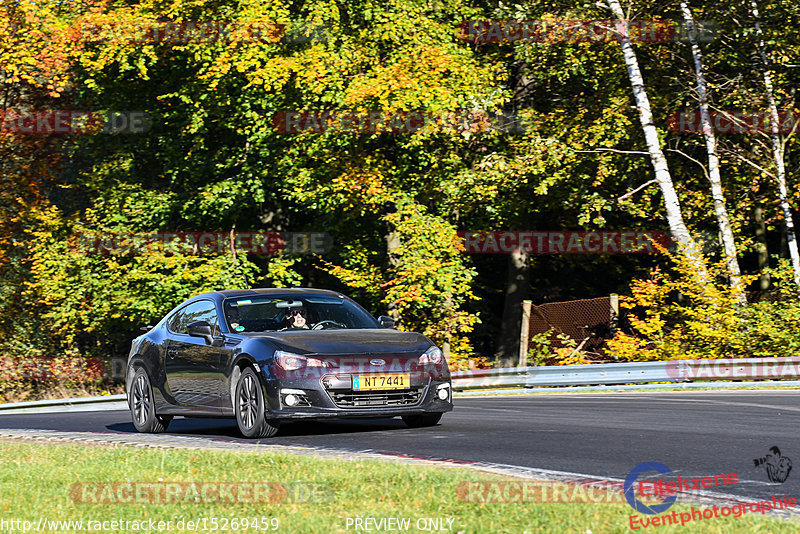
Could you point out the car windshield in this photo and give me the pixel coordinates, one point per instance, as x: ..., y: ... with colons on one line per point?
x: 277, y: 313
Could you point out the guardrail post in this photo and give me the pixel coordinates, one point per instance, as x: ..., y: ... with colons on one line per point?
x: 524, y: 332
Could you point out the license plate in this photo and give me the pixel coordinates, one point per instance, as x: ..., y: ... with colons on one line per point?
x: 373, y: 382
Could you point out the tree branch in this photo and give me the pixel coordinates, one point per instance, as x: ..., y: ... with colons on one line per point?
x: 601, y: 150
x: 687, y: 156
x: 745, y: 160
x: 643, y: 186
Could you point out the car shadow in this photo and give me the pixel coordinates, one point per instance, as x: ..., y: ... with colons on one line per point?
x: 194, y: 426
x: 338, y: 426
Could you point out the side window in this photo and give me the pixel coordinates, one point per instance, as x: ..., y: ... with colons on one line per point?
x: 174, y: 322
x: 202, y: 310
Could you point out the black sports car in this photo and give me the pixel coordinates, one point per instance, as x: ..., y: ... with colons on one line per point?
x: 269, y: 355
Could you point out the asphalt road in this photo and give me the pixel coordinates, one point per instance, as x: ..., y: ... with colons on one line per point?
x: 605, y: 435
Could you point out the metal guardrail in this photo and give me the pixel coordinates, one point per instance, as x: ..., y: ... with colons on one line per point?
x: 80, y: 404
x: 566, y: 375
x: 629, y: 373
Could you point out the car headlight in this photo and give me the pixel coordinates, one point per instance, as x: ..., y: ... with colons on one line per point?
x: 291, y: 362
x: 432, y: 356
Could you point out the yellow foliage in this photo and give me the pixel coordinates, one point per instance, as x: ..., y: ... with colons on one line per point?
x: 683, y: 318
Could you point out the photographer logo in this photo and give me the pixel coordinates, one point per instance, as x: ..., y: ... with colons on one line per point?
x: 777, y: 467
x: 630, y: 484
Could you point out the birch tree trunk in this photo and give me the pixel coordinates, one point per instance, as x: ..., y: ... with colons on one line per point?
x: 672, y: 204
x: 777, y: 148
x: 717, y: 195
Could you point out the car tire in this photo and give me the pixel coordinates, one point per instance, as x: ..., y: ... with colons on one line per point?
x: 143, y: 410
x: 421, y: 420
x: 249, y: 406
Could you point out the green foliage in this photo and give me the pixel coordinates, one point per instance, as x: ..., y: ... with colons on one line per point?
x: 539, y: 348
x: 429, y: 281
x: 280, y: 272
x: 103, y: 298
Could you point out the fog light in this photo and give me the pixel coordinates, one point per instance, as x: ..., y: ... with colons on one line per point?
x: 444, y: 393
x: 294, y: 397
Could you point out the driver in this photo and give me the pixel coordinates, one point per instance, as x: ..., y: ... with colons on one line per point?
x: 232, y: 314
x: 296, y: 319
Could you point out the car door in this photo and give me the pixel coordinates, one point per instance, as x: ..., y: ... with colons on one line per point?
x: 194, y: 368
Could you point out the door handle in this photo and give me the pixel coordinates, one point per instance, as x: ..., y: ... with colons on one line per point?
x: 172, y: 352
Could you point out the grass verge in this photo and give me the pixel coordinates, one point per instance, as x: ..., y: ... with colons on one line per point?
x: 97, y: 483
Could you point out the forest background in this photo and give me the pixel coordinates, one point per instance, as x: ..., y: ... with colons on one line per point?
x: 587, y: 142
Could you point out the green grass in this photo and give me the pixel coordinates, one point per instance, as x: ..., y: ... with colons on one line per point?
x: 36, y: 479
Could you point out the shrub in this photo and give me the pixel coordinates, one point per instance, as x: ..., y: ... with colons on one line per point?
x: 542, y: 352
x: 673, y: 316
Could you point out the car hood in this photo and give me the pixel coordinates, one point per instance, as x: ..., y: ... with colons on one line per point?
x: 347, y: 342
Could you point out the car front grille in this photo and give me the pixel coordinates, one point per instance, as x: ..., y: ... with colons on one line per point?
x: 348, y: 398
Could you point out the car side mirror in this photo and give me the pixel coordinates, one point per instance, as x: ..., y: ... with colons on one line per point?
x: 386, y: 322
x: 200, y: 329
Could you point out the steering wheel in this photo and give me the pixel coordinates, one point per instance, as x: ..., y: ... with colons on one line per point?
x: 320, y: 325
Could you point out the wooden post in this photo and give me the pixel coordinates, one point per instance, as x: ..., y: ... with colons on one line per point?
x: 524, y: 332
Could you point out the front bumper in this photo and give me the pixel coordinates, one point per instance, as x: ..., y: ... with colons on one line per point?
x: 326, y: 398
